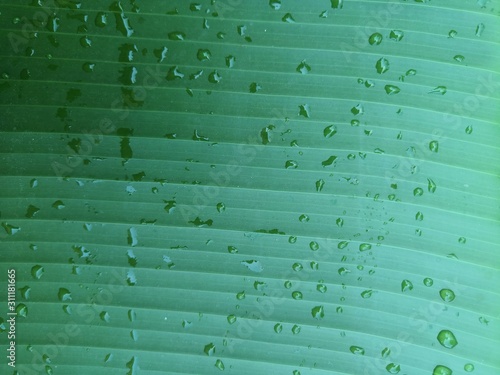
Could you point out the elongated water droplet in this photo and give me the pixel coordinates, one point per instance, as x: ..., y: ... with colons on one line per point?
x: 367, y: 293
x: 392, y: 90
x: 329, y: 161
x: 479, y: 29
x: 447, y: 339
x: 441, y: 90
x: 447, y: 295
x: 431, y: 186
x: 330, y: 131
x: 365, y: 247
x: 319, y: 185
x: 358, y: 350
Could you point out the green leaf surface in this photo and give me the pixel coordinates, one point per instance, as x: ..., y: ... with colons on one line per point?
x: 250, y: 187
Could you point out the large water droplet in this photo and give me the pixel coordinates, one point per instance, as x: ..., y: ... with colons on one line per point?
x: 447, y: 339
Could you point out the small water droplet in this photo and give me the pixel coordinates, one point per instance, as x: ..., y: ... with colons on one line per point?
x: 367, y: 293
x: 447, y: 339
x: 343, y: 271
x: 459, y: 58
x: 230, y: 61
x: 392, y: 90
x: 304, y: 110
x: 288, y: 18
x: 469, y: 367
x: 396, y: 35
x: 452, y: 33
x: 365, y: 247
x: 22, y: 310
x: 221, y: 207
x: 431, y: 186
x: 468, y: 129
x: 406, y: 285
x: 358, y: 350
x: 462, y: 240
x: 342, y: 245
x: 296, y: 329
x: 393, y: 368
x: 209, y: 349
x: 382, y: 65
x: 275, y: 4
x: 418, y: 192
x: 320, y: 184
x: 375, y: 39
x: 330, y: 131
x: 314, y: 246
x: 297, y: 267
x: 357, y: 110
x: 231, y: 319
x: 291, y: 164
x: 176, y: 35
x: 439, y: 90
x: 278, y: 327
x: 203, y: 54
x: 318, y: 312
x: 480, y: 29
x: 37, y: 271
x: 220, y: 365
x: 386, y: 352
x: 304, y: 218
x: 292, y: 239
x: 428, y: 282
x: 447, y: 295
x: 419, y: 216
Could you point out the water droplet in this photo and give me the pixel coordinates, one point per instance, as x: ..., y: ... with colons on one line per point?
x: 386, y: 352
x: 304, y: 218
x: 458, y: 58
x: 428, y: 282
x: 37, y: 271
x: 439, y: 90
x: 275, y: 4
x: 22, y: 310
x: 304, y: 110
x: 406, y: 285
x: 365, y: 247
x: 419, y: 216
x: 447, y: 295
x: 291, y: 164
x: 369, y: 84
x: 392, y: 90
x: 329, y: 161
x: 259, y: 285
x: 176, y: 35
x: 324, y: 14
x: 447, y: 339
x: 357, y: 110
x: 340, y: 222
x: 318, y: 312
x: 230, y: 61
x: 314, y: 246
x: 288, y: 18
x: 452, y: 33
x: 462, y: 240
x: 220, y: 365
x: 203, y: 54
x: 330, y: 131
x: 278, y: 327
x: 221, y: 207
x: 469, y: 367
x: 343, y: 271
x: 209, y: 349
x: 367, y: 293
x: 231, y: 319
x: 292, y: 239
x: 479, y: 29
x: 382, y: 65
x: 253, y: 265
x: 418, y: 192
x: 431, y: 186
x: 396, y: 35
x: 296, y: 329
x: 85, y: 42
x: 105, y: 317
x: 25, y: 293
x: 337, y: 4
x: 411, y: 72
x: 468, y: 129
x: 358, y: 350
x: 375, y: 39
x: 342, y: 245
x: 88, y: 67
x: 322, y: 288
x: 319, y: 185
x: 254, y: 87
x: 64, y: 295
x: 297, y: 267
x: 434, y: 146
x: 59, y: 205
x: 442, y: 370
x: 241, y: 295
x: 132, y: 236
x: 393, y: 368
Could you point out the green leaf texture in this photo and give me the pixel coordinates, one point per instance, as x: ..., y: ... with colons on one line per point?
x: 250, y: 187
